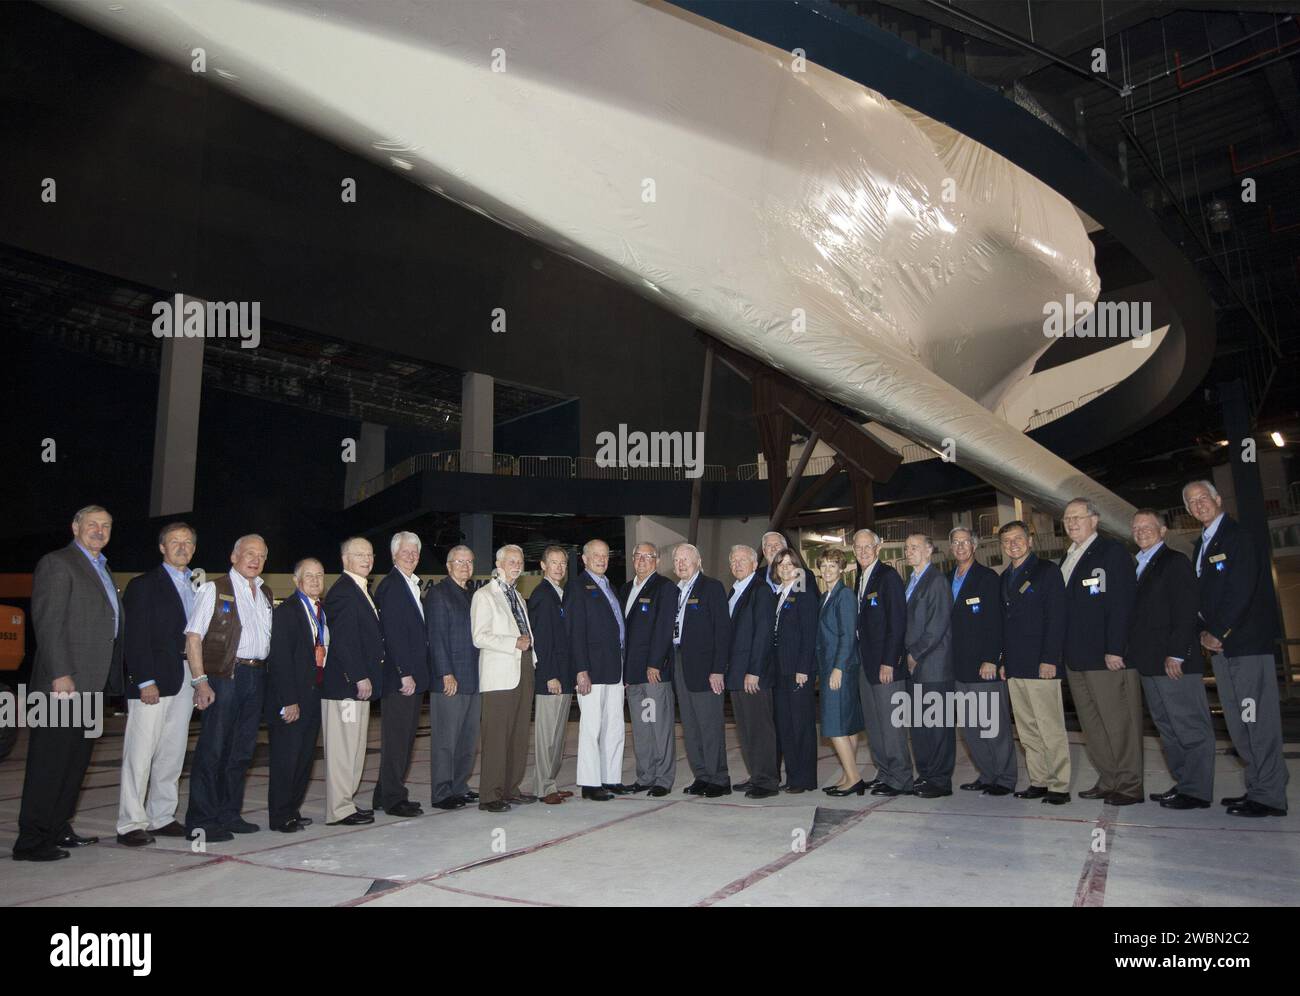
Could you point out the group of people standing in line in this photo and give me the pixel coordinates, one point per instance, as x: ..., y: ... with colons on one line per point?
x: 490, y: 661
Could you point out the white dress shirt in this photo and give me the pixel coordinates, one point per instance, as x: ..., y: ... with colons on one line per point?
x: 683, y: 596
x: 1072, y: 556
x: 254, y: 616
x: 636, y: 590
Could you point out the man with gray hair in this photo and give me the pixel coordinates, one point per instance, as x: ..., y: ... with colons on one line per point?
x: 882, y: 626
x: 406, y: 674
x: 455, y: 706
x: 701, y: 646
x: 649, y: 602
x: 227, y: 641
x: 927, y: 641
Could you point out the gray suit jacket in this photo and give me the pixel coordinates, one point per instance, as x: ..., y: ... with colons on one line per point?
x: 929, y: 633
x: 75, y: 635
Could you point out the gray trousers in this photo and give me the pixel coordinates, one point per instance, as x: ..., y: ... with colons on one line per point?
x: 550, y: 723
x: 888, y: 740
x: 652, y: 709
x: 1182, y: 715
x: 453, y: 741
x: 756, y: 729
x: 994, y: 757
x: 702, y: 729
x: 871, y: 732
x: 1253, y: 679
x: 1109, y: 707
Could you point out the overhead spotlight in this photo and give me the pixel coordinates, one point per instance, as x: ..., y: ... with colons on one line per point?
x: 1278, y: 441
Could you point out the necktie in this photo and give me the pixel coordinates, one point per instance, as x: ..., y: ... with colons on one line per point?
x: 517, y: 608
x: 320, y: 642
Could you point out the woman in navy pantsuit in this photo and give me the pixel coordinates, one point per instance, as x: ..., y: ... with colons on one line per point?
x: 794, y: 642
x: 837, y: 670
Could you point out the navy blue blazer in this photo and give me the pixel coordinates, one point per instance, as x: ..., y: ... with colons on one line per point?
x: 406, y: 636
x: 1233, y: 592
x: 882, y: 623
x: 1098, y: 604
x: 837, y: 638
x: 1163, y: 622
x: 550, y: 627
x: 154, y: 633
x: 593, y: 632
x: 649, y: 629
x: 291, y: 666
x: 706, y: 633
x: 751, y: 636
x: 451, y: 636
x: 1033, y: 618
x: 794, y: 638
x: 356, y: 642
x: 976, y: 622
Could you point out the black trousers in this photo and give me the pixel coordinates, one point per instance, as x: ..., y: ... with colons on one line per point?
x: 399, y: 720
x: 293, y: 752
x: 934, y: 748
x: 796, y: 731
x: 56, y: 765
x: 756, y: 730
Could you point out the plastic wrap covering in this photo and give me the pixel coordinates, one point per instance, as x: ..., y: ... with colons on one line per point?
x: 888, y: 262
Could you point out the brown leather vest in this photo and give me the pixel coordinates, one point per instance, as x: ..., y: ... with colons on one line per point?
x: 222, y: 640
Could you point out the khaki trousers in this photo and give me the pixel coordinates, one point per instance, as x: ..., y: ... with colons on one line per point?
x: 345, y: 724
x: 1040, y: 721
x: 1109, y: 706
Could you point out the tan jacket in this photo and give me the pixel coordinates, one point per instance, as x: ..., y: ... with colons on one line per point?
x: 495, y: 632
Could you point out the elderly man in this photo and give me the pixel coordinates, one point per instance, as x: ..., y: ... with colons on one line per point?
x: 649, y: 603
x: 701, y: 646
x: 554, y: 674
x: 505, y: 675
x: 976, y: 650
x: 160, y: 700
x: 78, y: 620
x: 353, y: 675
x: 928, y: 644
x: 597, y: 635
x: 751, y: 672
x: 1238, y: 624
x: 227, y: 641
x: 882, y: 627
x: 771, y: 544
x: 1107, y: 694
x: 1033, y: 630
x: 406, y: 674
x: 1162, y: 647
x: 300, y: 639
x: 454, y: 704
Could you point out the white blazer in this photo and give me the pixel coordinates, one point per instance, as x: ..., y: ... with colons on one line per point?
x: 495, y: 632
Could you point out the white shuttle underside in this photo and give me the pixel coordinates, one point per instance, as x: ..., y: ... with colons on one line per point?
x: 890, y: 263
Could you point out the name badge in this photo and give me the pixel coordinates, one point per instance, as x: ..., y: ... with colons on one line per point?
x: 590, y: 587
x: 1218, y: 558
x: 692, y: 601
x: 644, y: 601
x: 1024, y: 587
x: 872, y: 599
x: 1090, y: 582
x: 972, y: 601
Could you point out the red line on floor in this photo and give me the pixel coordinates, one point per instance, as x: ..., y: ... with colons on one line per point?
x: 488, y: 895
x: 1091, y: 890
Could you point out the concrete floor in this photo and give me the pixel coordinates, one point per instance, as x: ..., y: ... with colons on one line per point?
x: 805, y: 849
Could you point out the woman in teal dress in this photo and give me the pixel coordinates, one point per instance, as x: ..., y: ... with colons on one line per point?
x: 838, y: 667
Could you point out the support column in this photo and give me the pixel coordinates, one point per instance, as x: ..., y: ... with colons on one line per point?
x: 176, y: 429
x: 369, y: 463
x: 476, y: 442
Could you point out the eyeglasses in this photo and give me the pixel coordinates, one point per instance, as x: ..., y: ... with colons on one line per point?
x: 462, y: 563
x: 1075, y: 518
x: 645, y: 556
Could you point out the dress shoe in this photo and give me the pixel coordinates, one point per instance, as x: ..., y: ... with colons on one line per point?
x: 522, y: 799
x: 931, y: 791
x: 1033, y: 792
x: 794, y: 789
x: 218, y: 835
x: 888, y: 790
x: 996, y: 790
x: 696, y: 787
x: 636, y: 787
x: 1059, y: 798
x: 1180, y: 801
x: 564, y: 792
x: 1252, y: 808
x: 1232, y: 800
x: 596, y: 794
x: 405, y: 809
x: 1164, y: 796
x: 859, y: 789
x: 134, y: 838
x: 356, y: 819
x: 1096, y: 792
x: 365, y: 812
x: 754, y: 792
x: 1120, y: 799
x: 658, y: 792
x: 288, y: 826
x: 873, y: 783
x: 715, y: 791
x: 618, y: 789
x: 74, y: 839
x: 497, y: 806
x: 47, y: 853
x: 303, y: 821
x: 472, y: 796
x: 744, y: 786
x: 172, y: 829
x: 449, y: 803
x: 243, y: 826
x: 975, y: 786
x: 553, y: 799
